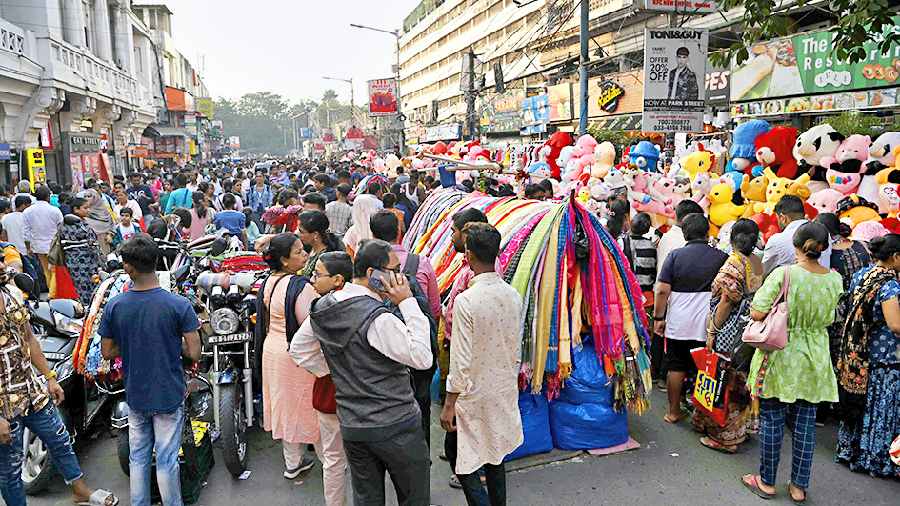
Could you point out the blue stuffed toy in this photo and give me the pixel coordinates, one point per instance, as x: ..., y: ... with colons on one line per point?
x: 743, y: 149
x: 645, y: 156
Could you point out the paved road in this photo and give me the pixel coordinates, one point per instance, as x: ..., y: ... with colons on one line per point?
x: 670, y: 468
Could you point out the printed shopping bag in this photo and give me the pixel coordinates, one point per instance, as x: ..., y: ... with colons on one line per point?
x: 711, y: 386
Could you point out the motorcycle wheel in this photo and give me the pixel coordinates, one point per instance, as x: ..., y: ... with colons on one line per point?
x: 38, y: 471
x: 233, y: 428
x: 124, y: 451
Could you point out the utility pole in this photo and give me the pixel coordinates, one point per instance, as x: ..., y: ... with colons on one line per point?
x: 584, y: 37
x: 470, y: 96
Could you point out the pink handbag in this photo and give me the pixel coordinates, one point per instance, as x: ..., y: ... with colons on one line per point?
x: 772, y: 332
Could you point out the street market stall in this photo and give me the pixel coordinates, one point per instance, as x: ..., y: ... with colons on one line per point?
x: 583, y: 309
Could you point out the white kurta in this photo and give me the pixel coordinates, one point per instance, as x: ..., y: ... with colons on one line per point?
x: 484, y: 369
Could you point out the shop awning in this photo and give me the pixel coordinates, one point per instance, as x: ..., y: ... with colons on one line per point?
x: 624, y: 122
x: 166, y: 131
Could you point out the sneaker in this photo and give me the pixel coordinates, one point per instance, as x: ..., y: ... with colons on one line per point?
x: 661, y: 386
x: 305, y: 465
x: 454, y: 482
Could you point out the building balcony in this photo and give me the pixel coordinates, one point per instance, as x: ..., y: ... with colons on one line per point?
x: 15, y: 43
x: 81, y: 70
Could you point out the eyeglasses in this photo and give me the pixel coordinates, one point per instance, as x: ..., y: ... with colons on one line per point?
x: 316, y: 275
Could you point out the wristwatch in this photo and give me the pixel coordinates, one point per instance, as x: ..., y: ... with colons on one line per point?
x: 50, y: 375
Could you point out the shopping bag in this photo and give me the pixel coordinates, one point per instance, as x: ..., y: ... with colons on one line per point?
x: 711, y: 386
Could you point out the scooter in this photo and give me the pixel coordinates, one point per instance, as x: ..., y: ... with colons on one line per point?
x: 57, y: 325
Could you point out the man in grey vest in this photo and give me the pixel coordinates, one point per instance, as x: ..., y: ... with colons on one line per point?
x: 352, y: 335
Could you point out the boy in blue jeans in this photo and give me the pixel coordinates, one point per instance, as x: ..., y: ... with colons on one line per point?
x: 151, y: 344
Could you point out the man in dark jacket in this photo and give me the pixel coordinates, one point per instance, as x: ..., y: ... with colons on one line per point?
x: 352, y: 334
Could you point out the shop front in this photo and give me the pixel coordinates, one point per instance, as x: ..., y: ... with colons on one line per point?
x: 84, y: 158
x: 798, y: 79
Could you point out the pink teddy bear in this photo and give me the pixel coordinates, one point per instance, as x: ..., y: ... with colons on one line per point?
x: 845, y: 169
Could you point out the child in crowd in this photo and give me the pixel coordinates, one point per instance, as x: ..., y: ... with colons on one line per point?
x: 126, y: 229
x: 251, y: 227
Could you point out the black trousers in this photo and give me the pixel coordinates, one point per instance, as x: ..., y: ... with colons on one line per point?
x: 405, y: 458
x: 471, y: 483
x: 421, y: 385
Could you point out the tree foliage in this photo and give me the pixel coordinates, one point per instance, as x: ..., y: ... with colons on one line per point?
x: 856, y: 22
x: 262, y: 120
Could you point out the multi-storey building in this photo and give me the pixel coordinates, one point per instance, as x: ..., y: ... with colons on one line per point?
x: 73, y: 90
x: 180, y: 133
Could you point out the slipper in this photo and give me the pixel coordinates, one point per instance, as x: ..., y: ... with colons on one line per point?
x: 753, y: 486
x: 671, y: 419
x: 797, y: 501
x: 100, y: 497
x: 715, y: 445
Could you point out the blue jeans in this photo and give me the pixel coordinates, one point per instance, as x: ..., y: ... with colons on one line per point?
x: 160, y: 432
x: 800, y: 418
x: 49, y: 427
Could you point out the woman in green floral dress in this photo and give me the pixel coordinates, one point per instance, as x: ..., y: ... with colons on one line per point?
x: 790, y: 382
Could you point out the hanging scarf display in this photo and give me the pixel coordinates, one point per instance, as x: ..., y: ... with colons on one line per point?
x: 87, y: 357
x: 572, y: 277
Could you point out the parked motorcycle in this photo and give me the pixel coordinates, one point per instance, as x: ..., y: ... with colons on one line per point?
x: 57, y: 325
x: 228, y: 342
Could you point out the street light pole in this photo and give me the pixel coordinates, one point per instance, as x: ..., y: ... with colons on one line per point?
x: 400, y: 117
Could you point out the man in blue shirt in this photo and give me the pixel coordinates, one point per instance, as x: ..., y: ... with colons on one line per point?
x: 181, y: 197
x: 151, y: 344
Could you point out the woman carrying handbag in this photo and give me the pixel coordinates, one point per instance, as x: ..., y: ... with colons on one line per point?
x: 790, y: 381
x: 732, y: 292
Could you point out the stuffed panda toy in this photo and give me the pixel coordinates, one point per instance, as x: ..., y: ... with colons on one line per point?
x: 812, y: 146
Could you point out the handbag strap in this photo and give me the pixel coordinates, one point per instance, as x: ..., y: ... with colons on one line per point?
x: 785, y: 286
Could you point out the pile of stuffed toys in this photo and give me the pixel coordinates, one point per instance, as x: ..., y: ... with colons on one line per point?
x: 855, y: 177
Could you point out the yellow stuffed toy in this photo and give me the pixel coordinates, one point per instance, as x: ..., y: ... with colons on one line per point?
x: 781, y: 186
x: 754, y: 192
x: 698, y: 161
x: 721, y: 208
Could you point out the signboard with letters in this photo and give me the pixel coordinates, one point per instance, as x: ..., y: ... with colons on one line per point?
x: 5, y: 152
x: 718, y: 85
x: 446, y: 132
x: 806, y: 64
x: 382, y: 97
x: 502, y: 112
x: 682, y: 6
x: 674, y: 65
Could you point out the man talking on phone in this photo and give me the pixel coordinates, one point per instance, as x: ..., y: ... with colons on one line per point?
x: 353, y: 335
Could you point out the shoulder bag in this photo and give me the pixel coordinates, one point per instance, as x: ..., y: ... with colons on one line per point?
x: 772, y: 332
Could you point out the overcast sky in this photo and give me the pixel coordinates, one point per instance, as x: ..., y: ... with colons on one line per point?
x: 286, y: 46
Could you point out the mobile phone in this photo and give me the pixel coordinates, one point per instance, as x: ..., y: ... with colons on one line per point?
x: 378, y: 281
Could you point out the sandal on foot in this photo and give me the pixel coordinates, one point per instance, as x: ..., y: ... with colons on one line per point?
x: 672, y: 419
x: 753, y: 486
x: 712, y: 444
x: 100, y: 497
x: 797, y: 501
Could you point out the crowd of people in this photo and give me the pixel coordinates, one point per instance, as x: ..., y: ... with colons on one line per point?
x: 842, y: 356
x: 351, y: 326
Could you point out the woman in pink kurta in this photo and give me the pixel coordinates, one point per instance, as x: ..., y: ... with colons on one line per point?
x: 287, y: 389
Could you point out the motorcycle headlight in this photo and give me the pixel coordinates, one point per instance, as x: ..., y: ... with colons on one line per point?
x: 63, y: 370
x: 68, y: 325
x: 224, y: 321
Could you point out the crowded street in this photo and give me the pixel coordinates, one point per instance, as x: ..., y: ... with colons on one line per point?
x: 449, y: 252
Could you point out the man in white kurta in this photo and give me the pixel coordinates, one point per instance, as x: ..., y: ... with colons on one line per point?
x: 482, y: 385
